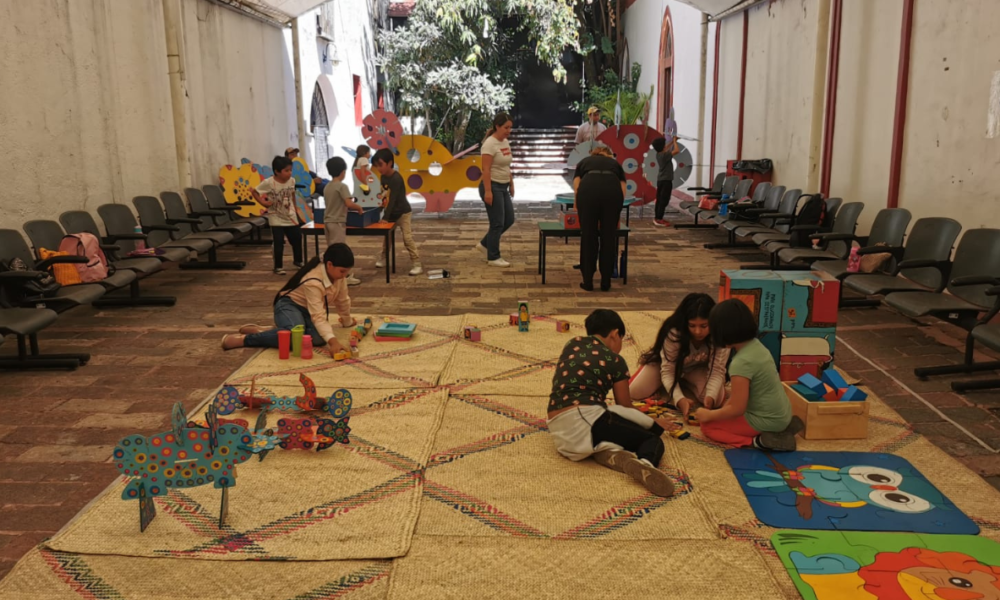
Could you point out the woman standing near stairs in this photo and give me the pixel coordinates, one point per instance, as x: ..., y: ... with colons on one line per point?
x: 497, y: 187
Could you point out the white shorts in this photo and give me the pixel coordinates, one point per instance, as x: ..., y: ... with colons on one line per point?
x: 571, y: 430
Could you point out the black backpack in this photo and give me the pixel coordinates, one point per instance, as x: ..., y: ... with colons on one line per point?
x: 34, y: 286
x: 812, y: 213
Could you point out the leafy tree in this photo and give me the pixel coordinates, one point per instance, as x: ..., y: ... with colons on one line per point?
x: 455, y: 62
x: 606, y: 96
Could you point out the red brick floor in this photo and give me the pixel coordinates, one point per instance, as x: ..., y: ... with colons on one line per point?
x: 57, y: 428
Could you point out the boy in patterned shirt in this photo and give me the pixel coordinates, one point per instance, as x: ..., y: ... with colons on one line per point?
x: 582, y: 424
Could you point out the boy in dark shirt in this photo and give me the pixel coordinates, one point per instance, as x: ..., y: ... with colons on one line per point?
x: 397, y: 207
x: 664, y: 178
x: 582, y: 424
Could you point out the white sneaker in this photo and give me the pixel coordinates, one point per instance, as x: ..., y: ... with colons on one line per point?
x: 482, y: 248
x: 498, y: 263
x: 352, y: 280
x: 417, y: 269
x: 380, y: 263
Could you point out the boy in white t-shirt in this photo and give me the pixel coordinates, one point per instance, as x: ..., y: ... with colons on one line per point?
x: 277, y: 194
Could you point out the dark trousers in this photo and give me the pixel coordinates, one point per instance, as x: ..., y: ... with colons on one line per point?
x: 599, y: 215
x: 294, y: 235
x: 501, y: 215
x: 645, y: 443
x: 663, y: 191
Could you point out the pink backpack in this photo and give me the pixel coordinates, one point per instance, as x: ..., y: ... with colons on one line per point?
x: 85, y: 244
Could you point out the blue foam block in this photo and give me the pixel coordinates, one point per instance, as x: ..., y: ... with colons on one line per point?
x: 834, y: 379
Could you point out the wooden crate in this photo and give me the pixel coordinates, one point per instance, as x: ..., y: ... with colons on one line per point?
x: 830, y: 420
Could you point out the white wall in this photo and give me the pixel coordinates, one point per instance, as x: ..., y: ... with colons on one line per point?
x: 727, y: 124
x: 866, y: 91
x: 85, y: 117
x: 354, y: 41
x: 643, y: 26
x: 951, y: 165
x: 240, y: 89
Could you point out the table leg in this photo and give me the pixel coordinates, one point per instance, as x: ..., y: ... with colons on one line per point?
x: 316, y: 242
x: 628, y: 214
x: 539, y: 252
x: 388, y: 255
x: 545, y: 240
x: 305, y: 246
x: 624, y: 266
x: 394, y: 250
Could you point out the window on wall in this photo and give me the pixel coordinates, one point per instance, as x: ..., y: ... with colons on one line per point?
x: 358, y: 105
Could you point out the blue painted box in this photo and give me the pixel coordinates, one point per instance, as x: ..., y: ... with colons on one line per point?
x: 810, y: 301
x: 762, y: 291
x: 370, y: 217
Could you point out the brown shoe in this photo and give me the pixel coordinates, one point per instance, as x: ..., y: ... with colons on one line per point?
x: 251, y: 329
x: 613, y: 459
x: 229, y: 342
x: 654, y: 480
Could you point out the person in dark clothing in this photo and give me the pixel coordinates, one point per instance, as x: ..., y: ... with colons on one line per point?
x: 599, y: 194
x: 664, y: 177
x: 397, y: 207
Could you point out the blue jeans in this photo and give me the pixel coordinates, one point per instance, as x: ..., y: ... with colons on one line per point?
x: 287, y: 314
x: 501, y: 215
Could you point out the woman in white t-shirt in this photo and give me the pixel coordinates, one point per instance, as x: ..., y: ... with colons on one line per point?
x: 497, y: 188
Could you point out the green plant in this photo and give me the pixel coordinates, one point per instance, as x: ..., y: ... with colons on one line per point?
x: 612, y: 91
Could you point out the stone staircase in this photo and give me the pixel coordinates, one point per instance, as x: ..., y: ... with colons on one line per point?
x: 537, y: 152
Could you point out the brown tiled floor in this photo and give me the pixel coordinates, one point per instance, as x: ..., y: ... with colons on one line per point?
x: 57, y: 429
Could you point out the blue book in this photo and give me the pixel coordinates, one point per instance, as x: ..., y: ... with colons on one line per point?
x: 396, y: 330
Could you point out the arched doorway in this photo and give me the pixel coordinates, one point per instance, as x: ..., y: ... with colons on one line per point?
x: 665, y: 72
x: 320, y: 125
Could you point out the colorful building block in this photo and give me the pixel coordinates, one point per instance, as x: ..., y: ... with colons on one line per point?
x: 523, y: 317
x: 834, y: 379
x: 562, y: 326
x: 813, y: 384
x: 339, y: 356
x: 806, y: 393
x: 571, y: 220
x: 513, y: 319
x: 473, y: 334
x: 854, y: 394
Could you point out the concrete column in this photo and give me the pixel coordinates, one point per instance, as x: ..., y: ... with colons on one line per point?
x: 819, y: 95
x: 702, y: 92
x: 300, y: 118
x: 178, y: 91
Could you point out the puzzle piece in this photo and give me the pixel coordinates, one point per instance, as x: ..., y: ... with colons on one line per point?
x: 889, y: 565
x: 844, y: 490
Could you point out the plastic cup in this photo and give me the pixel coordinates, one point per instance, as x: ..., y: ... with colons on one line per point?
x: 297, y: 332
x: 284, y: 342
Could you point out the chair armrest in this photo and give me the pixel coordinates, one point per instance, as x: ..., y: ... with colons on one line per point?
x: 207, y: 213
x: 993, y: 291
x: 777, y: 215
x: 755, y: 211
x: 922, y: 263
x: 189, y: 221
x: 148, y: 228
x: 14, y: 276
x: 975, y: 280
x: 125, y: 236
x: 809, y: 228
x: 233, y: 207
x: 44, y: 265
x: 243, y: 203
x: 895, y: 251
x: 110, y: 247
x: 836, y: 237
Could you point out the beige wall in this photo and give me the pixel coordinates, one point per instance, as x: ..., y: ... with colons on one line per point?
x: 866, y: 92
x: 727, y: 124
x: 780, y: 93
x: 950, y: 165
x: 83, y: 119
x: 86, y: 115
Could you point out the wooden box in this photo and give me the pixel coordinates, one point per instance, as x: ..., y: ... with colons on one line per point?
x: 830, y: 420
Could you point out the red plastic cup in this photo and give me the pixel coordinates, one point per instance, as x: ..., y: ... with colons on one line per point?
x: 307, y: 347
x: 284, y: 343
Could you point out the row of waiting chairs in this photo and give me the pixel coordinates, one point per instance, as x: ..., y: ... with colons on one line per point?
x: 180, y: 234
x: 921, y: 278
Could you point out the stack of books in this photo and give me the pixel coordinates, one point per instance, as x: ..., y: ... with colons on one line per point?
x: 394, y: 332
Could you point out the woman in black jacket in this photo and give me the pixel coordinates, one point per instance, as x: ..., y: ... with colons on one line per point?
x: 599, y: 194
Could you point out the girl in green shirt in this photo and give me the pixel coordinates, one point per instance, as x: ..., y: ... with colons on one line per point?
x: 758, y: 413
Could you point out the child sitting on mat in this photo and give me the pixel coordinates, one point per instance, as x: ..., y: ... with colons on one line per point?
x: 683, y: 361
x: 757, y: 413
x: 582, y: 424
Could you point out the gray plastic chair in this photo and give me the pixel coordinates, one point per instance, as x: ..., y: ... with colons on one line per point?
x: 159, y: 232
x: 716, y: 188
x: 777, y: 240
x: 975, y: 270
x: 742, y: 191
x: 12, y: 245
x: 989, y: 336
x: 120, y: 224
x: 889, y: 228
x: 25, y: 323
x: 923, y: 262
x: 213, y: 220
x: 48, y: 234
x: 768, y: 221
x: 217, y: 201
x: 770, y: 203
x: 189, y: 226
x: 759, y: 194
x: 81, y: 221
x: 728, y: 187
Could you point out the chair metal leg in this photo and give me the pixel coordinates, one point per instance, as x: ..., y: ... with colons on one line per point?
x: 972, y: 386
x: 213, y: 263
x: 135, y: 298
x: 968, y: 365
x: 35, y: 360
